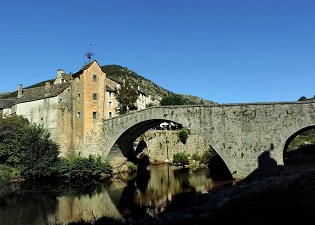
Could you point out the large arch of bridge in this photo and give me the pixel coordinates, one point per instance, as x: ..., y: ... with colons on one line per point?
x: 125, y: 139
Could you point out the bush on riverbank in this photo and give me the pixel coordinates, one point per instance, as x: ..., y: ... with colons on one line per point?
x: 81, y: 168
x: 27, y: 152
x: 185, y: 159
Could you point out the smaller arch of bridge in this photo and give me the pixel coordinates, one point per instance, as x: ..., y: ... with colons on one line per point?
x: 290, y: 139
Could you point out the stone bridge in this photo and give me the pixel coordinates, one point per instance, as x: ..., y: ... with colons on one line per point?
x: 250, y: 138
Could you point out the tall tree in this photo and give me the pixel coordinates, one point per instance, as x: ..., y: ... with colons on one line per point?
x: 126, y: 96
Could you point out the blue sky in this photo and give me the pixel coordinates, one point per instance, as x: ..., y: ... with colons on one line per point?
x: 226, y: 51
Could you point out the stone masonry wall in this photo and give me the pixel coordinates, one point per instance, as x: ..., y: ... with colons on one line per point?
x: 163, y: 144
x: 250, y: 138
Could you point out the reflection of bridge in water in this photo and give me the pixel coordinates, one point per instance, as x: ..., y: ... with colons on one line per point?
x: 147, y: 194
x: 239, y: 133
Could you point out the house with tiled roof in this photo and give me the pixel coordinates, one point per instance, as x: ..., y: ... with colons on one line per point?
x: 5, y: 104
x: 72, y: 108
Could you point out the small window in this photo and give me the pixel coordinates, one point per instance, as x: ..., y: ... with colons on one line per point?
x: 94, y: 78
x: 94, y: 115
x: 110, y: 104
x: 78, y: 115
x: 110, y: 114
x: 94, y: 96
x: 110, y: 94
x: 78, y: 98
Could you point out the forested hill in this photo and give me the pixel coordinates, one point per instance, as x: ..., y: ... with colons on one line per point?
x: 120, y: 73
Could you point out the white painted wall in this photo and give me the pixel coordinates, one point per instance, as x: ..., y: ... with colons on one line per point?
x: 44, y: 111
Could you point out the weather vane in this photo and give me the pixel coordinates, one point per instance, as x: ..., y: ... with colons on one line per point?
x: 88, y: 55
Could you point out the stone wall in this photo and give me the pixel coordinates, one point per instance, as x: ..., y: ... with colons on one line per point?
x: 161, y: 145
x: 250, y: 138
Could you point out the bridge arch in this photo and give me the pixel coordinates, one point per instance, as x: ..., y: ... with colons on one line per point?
x: 135, y: 124
x: 239, y: 133
x: 294, y: 135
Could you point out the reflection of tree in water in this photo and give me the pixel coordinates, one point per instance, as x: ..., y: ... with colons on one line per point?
x: 182, y: 176
x: 142, y: 179
x: 127, y: 204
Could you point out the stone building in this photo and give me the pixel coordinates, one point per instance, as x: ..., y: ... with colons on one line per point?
x: 72, y: 108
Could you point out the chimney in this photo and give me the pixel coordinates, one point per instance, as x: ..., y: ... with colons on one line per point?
x: 20, y: 93
x: 47, y: 84
x: 60, y: 72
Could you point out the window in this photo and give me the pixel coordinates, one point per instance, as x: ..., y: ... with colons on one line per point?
x: 94, y: 96
x: 110, y: 94
x: 110, y: 104
x: 78, y: 115
x: 110, y: 114
x: 78, y: 98
x: 94, y: 115
x: 94, y: 77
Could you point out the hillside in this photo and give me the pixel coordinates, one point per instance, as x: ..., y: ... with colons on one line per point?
x: 120, y: 73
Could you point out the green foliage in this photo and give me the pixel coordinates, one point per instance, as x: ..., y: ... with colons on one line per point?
x: 8, y: 173
x: 208, y: 155
x: 38, y: 153
x: 183, y: 135
x: 12, y: 131
x: 172, y: 99
x: 299, y: 141
x: 175, y: 99
x: 303, y: 98
x: 27, y: 151
x: 205, y: 157
x: 181, y: 158
x: 127, y: 96
x: 120, y: 73
x: 82, y: 168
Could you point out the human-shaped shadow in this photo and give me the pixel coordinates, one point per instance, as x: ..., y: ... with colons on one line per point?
x: 267, y: 166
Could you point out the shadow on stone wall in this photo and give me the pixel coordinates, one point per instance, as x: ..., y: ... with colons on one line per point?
x: 267, y: 166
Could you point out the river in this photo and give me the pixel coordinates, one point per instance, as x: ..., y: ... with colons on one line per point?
x: 144, y: 193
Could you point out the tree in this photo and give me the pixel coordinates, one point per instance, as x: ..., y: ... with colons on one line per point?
x: 11, y: 132
x: 39, y: 152
x: 172, y: 99
x: 26, y: 147
x: 303, y: 98
x: 126, y: 96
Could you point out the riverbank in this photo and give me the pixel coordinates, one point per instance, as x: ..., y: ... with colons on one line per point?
x: 285, y: 199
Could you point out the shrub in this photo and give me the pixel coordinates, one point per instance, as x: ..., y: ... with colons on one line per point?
x: 87, y: 168
x: 181, y: 158
x: 183, y: 135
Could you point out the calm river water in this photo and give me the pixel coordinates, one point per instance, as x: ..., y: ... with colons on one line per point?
x: 145, y: 193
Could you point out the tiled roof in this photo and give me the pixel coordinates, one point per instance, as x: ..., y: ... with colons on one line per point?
x: 38, y: 93
x: 108, y: 88
x: 6, y: 103
x: 67, y: 77
x: 86, y: 66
